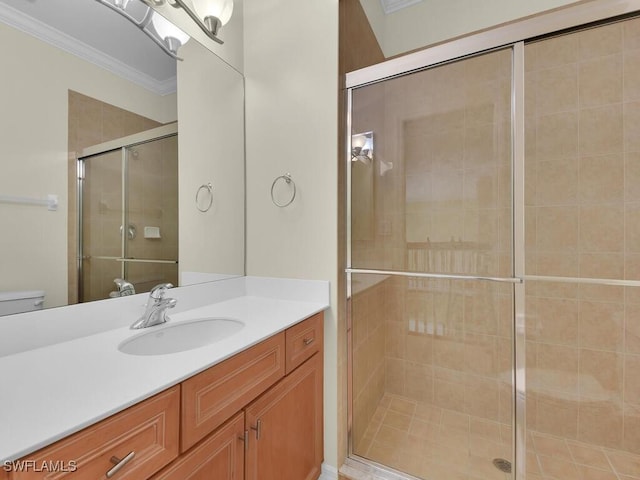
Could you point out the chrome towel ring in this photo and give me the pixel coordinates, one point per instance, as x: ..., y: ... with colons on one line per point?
x: 287, y: 178
x: 208, y: 202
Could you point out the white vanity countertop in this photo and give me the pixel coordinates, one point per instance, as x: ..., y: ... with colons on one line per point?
x: 53, y: 391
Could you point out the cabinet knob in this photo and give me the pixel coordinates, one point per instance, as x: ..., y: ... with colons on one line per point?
x: 308, y: 341
x: 119, y: 463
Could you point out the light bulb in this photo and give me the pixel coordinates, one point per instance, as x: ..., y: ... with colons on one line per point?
x: 168, y: 32
x: 220, y: 9
x: 358, y: 141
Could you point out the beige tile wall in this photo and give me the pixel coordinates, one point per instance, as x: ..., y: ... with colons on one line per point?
x: 582, y: 112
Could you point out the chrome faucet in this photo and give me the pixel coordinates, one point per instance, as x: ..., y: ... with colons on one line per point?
x: 124, y: 288
x: 157, y: 306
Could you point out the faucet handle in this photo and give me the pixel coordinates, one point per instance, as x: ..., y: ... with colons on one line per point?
x: 158, y: 292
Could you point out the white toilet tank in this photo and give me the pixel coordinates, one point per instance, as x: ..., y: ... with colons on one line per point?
x: 21, y: 301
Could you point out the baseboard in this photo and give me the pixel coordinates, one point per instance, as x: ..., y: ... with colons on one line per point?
x: 328, y: 473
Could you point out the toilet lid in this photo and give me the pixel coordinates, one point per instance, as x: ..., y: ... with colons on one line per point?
x: 19, y: 295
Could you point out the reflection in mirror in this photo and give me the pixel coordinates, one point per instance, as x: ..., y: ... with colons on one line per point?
x: 80, y: 75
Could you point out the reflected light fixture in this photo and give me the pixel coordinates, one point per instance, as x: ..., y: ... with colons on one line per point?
x: 209, y: 15
x: 171, y: 35
x: 164, y: 33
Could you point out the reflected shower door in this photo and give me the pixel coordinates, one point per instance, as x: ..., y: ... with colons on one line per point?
x: 431, y: 343
x: 129, y: 228
x: 101, y: 221
x: 152, y: 207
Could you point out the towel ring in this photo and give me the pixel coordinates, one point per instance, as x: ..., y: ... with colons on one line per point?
x: 208, y: 188
x: 287, y: 178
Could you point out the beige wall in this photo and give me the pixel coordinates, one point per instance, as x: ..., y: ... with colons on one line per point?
x: 36, y: 79
x: 431, y: 21
x: 291, y: 70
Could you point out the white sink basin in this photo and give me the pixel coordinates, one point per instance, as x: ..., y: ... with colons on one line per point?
x: 179, y: 337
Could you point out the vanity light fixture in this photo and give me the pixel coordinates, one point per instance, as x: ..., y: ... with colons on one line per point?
x: 209, y: 15
x: 165, y: 34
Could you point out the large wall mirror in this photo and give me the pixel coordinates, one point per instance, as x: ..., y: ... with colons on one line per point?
x: 118, y: 160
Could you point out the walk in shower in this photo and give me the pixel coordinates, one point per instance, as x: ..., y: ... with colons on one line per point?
x: 128, y: 211
x: 493, y: 265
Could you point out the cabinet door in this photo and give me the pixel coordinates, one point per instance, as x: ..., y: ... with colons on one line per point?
x: 285, y: 427
x: 219, y: 457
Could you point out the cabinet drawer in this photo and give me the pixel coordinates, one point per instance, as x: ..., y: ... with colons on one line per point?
x: 303, y: 340
x: 213, y: 396
x: 220, y: 456
x: 149, y: 429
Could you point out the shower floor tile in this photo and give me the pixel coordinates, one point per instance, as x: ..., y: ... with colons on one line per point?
x: 433, y: 443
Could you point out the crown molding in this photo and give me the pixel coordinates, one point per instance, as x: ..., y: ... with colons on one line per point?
x: 61, y: 40
x: 390, y: 6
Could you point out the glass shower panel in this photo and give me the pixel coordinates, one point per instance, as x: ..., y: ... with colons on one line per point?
x: 101, y: 222
x: 432, y: 362
x: 434, y: 194
x: 583, y: 253
x: 431, y: 193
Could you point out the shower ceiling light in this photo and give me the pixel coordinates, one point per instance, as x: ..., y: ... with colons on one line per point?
x: 166, y: 35
x: 209, y: 15
x: 362, y: 147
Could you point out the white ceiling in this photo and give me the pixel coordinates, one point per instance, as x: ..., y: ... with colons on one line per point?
x: 96, y: 33
x: 390, y: 6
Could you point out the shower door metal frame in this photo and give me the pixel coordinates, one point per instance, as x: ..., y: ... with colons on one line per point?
x: 122, y: 144
x: 513, y: 36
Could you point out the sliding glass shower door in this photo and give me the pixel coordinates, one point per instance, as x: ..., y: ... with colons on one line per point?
x: 494, y: 308
x: 431, y: 270
x: 129, y: 217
